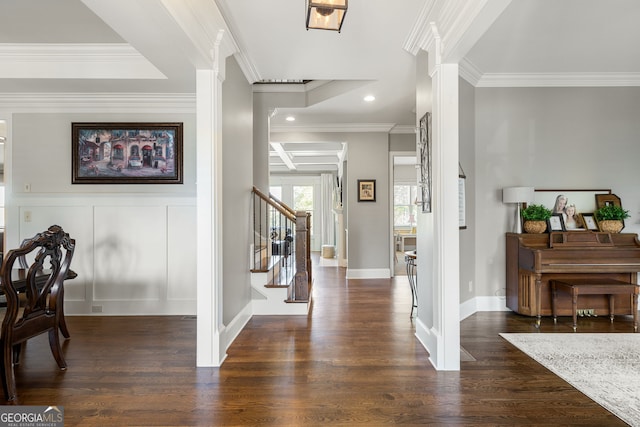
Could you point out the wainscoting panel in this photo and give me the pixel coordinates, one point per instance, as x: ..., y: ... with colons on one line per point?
x: 132, y: 257
x: 130, y: 253
x: 181, y: 249
x: 76, y: 221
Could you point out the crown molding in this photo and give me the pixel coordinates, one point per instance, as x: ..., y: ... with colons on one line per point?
x: 472, y: 74
x: 67, y: 51
x: 557, y: 80
x: 420, y: 33
x: 403, y: 129
x: 469, y: 71
x: 247, y: 66
x: 98, y: 103
x: 335, y: 127
x: 454, y: 20
x: 73, y: 60
x: 462, y: 23
x: 289, y: 87
x: 278, y: 88
x: 202, y: 22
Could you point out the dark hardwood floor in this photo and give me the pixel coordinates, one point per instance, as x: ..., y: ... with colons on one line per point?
x: 354, y: 361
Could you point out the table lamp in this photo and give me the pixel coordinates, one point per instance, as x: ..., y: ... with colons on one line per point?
x: 517, y: 195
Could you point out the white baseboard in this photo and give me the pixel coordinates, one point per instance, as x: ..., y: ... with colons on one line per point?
x: 428, y: 340
x: 370, y: 273
x: 476, y: 304
x: 231, y: 331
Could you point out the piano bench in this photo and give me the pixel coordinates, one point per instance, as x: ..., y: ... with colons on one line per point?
x: 600, y: 286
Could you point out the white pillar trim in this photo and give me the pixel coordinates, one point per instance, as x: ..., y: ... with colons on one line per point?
x: 210, y: 350
x: 440, y: 331
x: 446, y: 228
x: 461, y: 23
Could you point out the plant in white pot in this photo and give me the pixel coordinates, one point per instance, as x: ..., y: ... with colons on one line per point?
x: 611, y: 218
x: 535, y: 218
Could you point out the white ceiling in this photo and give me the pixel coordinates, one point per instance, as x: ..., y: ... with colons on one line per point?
x: 136, y: 46
x: 560, y: 43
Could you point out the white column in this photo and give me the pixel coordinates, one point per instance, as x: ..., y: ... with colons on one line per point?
x: 438, y: 324
x: 209, y: 348
x: 341, y: 252
x: 445, y: 209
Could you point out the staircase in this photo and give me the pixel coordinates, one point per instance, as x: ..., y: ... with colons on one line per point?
x: 281, y: 273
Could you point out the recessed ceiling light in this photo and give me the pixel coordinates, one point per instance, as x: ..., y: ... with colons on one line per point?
x: 290, y: 119
x: 369, y: 98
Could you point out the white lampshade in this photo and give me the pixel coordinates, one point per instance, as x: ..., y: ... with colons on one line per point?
x: 517, y: 194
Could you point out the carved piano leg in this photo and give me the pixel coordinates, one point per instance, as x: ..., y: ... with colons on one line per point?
x: 538, y: 295
x: 574, y: 302
x: 554, y: 294
x: 634, y: 305
x: 611, y: 308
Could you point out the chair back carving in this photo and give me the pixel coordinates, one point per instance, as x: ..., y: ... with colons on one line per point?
x: 32, y: 290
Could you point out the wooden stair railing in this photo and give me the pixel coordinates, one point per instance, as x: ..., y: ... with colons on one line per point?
x: 283, y: 236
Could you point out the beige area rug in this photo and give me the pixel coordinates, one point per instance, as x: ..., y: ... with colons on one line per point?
x: 605, y: 367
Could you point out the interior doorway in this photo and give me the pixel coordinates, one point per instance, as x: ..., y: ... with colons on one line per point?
x: 404, y: 210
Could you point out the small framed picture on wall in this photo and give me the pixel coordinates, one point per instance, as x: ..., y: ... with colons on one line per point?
x: 366, y: 190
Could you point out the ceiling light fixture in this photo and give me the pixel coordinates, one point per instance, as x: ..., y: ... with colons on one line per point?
x: 326, y: 14
x: 290, y: 119
x: 369, y: 98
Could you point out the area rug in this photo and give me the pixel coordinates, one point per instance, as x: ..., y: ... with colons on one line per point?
x: 605, y: 367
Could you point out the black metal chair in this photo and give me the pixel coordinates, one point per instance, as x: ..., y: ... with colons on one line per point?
x: 412, y: 274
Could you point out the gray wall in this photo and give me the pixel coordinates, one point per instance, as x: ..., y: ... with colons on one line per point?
x: 135, y: 244
x: 467, y: 162
x: 368, y: 223
x: 237, y: 170
x: 425, y: 241
x: 556, y: 138
x: 41, y: 148
x: 402, y: 142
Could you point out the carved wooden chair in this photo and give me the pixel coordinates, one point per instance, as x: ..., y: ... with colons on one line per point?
x: 41, y: 285
x: 24, y: 264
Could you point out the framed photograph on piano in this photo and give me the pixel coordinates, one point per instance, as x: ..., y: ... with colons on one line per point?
x: 556, y: 223
x: 558, y: 200
x: 589, y: 221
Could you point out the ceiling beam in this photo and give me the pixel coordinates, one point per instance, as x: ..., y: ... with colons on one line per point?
x: 277, y: 147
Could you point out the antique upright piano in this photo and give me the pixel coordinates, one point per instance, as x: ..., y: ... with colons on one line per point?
x: 534, y: 259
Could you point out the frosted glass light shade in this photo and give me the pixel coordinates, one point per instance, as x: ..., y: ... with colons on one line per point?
x: 326, y: 14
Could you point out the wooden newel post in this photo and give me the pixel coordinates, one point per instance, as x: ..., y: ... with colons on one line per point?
x: 303, y: 253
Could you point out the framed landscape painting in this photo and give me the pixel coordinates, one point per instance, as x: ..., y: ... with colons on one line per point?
x: 126, y: 153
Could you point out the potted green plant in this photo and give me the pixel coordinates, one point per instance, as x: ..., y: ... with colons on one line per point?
x: 611, y: 218
x: 535, y: 218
